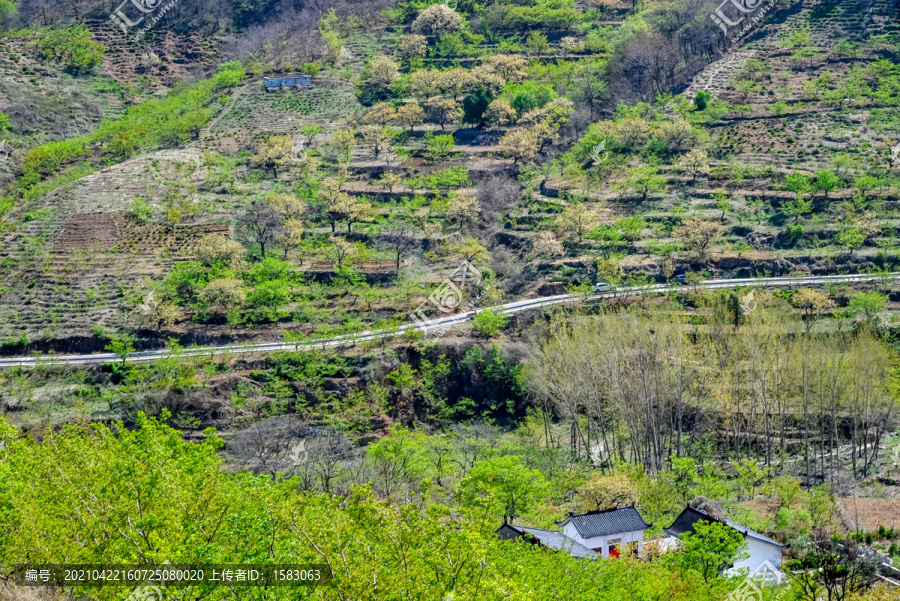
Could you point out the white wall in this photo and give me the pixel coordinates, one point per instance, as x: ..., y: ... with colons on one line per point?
x: 601, y: 542
x: 759, y: 552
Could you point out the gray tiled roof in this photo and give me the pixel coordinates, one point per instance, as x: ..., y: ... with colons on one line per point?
x: 556, y: 540
x: 604, y: 523
x: 690, y: 516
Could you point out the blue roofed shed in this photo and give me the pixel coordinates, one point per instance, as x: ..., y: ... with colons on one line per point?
x: 287, y: 82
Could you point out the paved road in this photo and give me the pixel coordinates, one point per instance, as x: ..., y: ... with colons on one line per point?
x: 430, y: 327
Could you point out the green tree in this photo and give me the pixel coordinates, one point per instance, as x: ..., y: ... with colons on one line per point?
x: 750, y: 476
x: 723, y: 202
x: 439, y: 148
x: 510, y: 484
x: 268, y: 297
x: 826, y: 181
x: 122, y: 345
x: 840, y: 569
x: 643, y: 180
x: 797, y: 183
x: 475, y: 105
x: 701, y: 100
x: 797, y: 207
x: 867, y: 304
x: 490, y: 321
x: 400, y: 458
x: 528, y: 95
x: 850, y: 237
x: 631, y: 227
x: 609, y: 238
x: 685, y: 471
x: 866, y: 183
x: 537, y: 42
x: 710, y: 549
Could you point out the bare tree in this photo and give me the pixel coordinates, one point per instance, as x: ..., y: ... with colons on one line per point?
x: 261, y: 224
x: 400, y: 238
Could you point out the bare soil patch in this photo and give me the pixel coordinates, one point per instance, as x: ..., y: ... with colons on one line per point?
x: 115, y: 231
x: 869, y: 514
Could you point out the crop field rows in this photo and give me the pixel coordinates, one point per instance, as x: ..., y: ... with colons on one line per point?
x: 89, y: 294
x: 80, y: 260
x: 804, y: 137
x: 828, y: 21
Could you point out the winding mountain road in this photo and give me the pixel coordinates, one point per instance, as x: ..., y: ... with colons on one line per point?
x: 435, y: 324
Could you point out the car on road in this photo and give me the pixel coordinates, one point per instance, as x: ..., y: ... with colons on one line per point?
x: 680, y: 278
x: 603, y: 287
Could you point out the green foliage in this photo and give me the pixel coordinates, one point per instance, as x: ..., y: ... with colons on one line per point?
x: 797, y: 207
x: 122, y: 344
x: 826, y: 181
x: 793, y: 233
x: 446, y: 179
x: 475, y: 104
x: 439, y: 148
x: 72, y: 46
x: 867, y: 304
x: 141, y: 210
x: 525, y: 16
x: 400, y: 458
x: 528, y: 95
x: 609, y: 238
x: 167, y: 121
x: 750, y: 476
x: 631, y: 227
x: 850, y: 237
x: 7, y: 9
x: 158, y: 498
x: 710, y: 549
x: 701, y: 100
x: 312, y: 69
x: 506, y: 484
x: 489, y: 321
x: 684, y: 470
x: 798, y: 183
x: 643, y: 180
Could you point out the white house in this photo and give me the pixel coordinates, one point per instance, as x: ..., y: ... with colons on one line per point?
x: 764, y: 553
x: 606, y: 531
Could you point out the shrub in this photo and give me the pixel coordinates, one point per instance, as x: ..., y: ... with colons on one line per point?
x: 490, y: 321
x: 702, y: 99
x: 528, y: 95
x: 793, y: 233
x: 72, y: 46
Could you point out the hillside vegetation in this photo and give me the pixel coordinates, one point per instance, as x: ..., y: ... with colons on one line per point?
x: 450, y: 158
